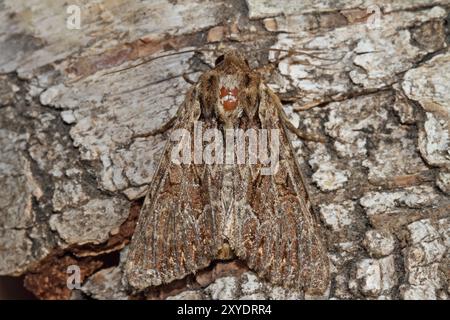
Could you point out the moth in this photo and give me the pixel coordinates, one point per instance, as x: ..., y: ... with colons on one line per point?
x: 197, y: 212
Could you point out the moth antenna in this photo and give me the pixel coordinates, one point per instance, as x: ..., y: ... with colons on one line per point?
x: 293, y: 52
x: 185, y: 77
x: 155, y: 58
x: 304, y: 52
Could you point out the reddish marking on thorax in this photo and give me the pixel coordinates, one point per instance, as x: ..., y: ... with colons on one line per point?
x: 228, y: 97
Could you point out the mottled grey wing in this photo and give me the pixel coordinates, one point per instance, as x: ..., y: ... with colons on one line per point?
x: 276, y: 232
x: 178, y: 231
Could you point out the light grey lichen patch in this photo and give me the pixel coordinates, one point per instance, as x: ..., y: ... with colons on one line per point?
x: 68, y: 193
x: 109, y: 112
x: 343, y: 252
x: 15, y: 174
x: 443, y: 181
x: 374, y: 277
x: 349, y: 58
x: 225, y: 288
x: 267, y: 8
x: 429, y: 85
x: 51, y: 161
x: 381, y: 57
x: 49, y: 96
x: 422, y: 261
x: 20, y: 189
x: 351, y: 121
x: 77, y: 226
x: 434, y: 141
x: 430, y: 36
x: 68, y: 116
x: 412, y: 197
x: 388, y: 156
x: 25, y: 237
x: 404, y: 108
x: 292, y: 115
x: 299, y: 70
x: 16, y: 251
x: 444, y: 230
x: 7, y: 91
x: 280, y: 293
x: 424, y: 254
x: 57, y: 182
x: 341, y: 289
x: 379, y: 243
x: 132, y: 168
x: 422, y: 231
x: 106, y: 284
x: 248, y: 286
x: 338, y: 216
x: 397, y: 208
x: 16, y: 46
x: 327, y: 175
x: 51, y: 154
x: 420, y: 292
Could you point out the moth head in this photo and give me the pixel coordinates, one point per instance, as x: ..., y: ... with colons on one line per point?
x: 229, y: 91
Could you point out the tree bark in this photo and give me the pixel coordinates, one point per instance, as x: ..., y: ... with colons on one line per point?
x: 373, y: 79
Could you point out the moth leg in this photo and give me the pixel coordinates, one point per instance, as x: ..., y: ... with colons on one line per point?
x: 302, y: 135
x: 187, y: 79
x: 313, y: 104
x: 169, y: 124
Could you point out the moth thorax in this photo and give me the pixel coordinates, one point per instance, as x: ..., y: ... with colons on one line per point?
x: 228, y: 92
x: 228, y: 98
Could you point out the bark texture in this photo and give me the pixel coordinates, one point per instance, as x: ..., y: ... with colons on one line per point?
x: 374, y: 79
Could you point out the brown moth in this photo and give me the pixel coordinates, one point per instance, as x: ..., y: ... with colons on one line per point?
x: 197, y: 212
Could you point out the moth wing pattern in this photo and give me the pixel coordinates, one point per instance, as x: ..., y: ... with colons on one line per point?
x: 276, y: 232
x: 193, y: 211
x: 178, y: 231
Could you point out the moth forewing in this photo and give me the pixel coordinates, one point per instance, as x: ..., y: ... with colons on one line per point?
x: 281, y: 240
x: 196, y: 209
